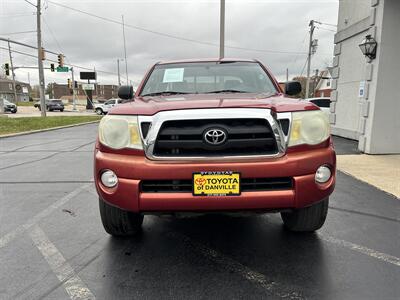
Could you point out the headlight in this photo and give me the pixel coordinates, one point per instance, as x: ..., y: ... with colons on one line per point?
x: 119, y: 132
x: 309, y: 127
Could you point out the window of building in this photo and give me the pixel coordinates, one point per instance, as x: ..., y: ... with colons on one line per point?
x: 323, y: 102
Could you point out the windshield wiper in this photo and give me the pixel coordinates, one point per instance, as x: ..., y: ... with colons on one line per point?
x: 226, y: 91
x: 164, y: 93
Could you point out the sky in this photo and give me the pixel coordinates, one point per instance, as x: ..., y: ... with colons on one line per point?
x: 272, y: 31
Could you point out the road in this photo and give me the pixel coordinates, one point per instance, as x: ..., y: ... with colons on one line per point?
x: 53, y: 246
x: 30, y: 111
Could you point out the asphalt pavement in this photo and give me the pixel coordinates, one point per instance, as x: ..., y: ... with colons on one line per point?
x: 53, y: 246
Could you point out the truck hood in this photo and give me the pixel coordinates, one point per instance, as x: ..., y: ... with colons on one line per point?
x: 153, y: 105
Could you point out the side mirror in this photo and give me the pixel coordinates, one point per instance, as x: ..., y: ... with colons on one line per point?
x: 292, y: 88
x: 126, y: 92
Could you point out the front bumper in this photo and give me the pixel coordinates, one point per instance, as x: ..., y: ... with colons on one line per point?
x: 10, y: 108
x: 56, y: 107
x: 131, y: 169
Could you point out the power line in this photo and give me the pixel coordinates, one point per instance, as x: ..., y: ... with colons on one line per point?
x: 26, y: 45
x: 297, y: 56
x: 331, y: 30
x: 302, y: 70
x: 52, y: 34
x: 55, y: 61
x: 30, y: 3
x: 19, y: 52
x: 170, y: 35
x: 322, y: 23
x: 19, y: 32
x: 16, y: 15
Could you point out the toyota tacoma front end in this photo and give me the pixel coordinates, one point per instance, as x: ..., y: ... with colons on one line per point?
x: 213, y: 136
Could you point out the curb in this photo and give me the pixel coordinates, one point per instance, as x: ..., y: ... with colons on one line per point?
x: 46, y: 129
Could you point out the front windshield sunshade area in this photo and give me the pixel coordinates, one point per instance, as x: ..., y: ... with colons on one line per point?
x: 208, y: 77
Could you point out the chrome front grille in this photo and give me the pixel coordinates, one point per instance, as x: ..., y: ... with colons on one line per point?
x: 243, y: 137
x: 179, y: 134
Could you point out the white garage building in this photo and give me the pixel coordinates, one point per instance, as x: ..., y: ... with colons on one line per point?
x: 366, y: 92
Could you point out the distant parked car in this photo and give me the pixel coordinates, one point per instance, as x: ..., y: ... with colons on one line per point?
x: 52, y: 104
x: 323, y: 103
x: 102, y: 108
x: 8, y: 106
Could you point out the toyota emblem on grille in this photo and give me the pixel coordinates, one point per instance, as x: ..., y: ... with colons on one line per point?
x: 215, y: 136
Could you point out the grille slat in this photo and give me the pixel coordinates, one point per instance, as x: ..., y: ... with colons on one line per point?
x: 195, y: 131
x: 244, y: 137
x: 246, y: 185
x: 189, y: 144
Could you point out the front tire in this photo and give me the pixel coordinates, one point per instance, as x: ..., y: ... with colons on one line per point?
x: 118, y: 222
x: 306, y: 219
x: 99, y: 111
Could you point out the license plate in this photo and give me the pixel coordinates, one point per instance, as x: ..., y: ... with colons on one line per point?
x: 216, y: 184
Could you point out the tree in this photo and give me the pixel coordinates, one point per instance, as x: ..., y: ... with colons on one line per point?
x: 303, y: 82
x: 49, y: 90
x: 35, y: 92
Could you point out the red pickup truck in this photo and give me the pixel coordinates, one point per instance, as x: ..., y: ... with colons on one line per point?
x: 220, y: 135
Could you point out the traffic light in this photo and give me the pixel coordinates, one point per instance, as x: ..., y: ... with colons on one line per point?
x: 52, y: 67
x: 60, y: 60
x: 75, y: 84
x: 42, y: 54
x: 69, y: 83
x: 7, y: 68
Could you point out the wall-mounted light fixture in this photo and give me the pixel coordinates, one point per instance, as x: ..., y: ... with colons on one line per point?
x: 368, y: 47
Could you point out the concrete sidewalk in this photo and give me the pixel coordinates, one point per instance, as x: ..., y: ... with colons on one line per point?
x: 381, y: 171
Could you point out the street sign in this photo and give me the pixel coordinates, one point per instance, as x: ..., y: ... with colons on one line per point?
x: 88, y: 86
x: 62, y: 69
x: 88, y: 75
x: 361, y: 89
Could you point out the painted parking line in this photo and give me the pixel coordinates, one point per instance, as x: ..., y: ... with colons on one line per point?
x: 272, y: 287
x: 364, y: 250
x: 72, y: 283
x: 7, y: 238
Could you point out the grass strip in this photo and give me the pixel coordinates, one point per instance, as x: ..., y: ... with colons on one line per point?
x: 21, y: 103
x: 15, y: 125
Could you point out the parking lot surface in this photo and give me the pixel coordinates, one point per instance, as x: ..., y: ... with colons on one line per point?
x: 53, y: 246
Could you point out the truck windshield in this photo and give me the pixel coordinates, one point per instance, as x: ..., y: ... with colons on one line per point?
x: 208, y: 77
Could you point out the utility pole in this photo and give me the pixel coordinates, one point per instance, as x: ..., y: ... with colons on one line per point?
x: 222, y: 30
x: 40, y: 61
x: 12, y: 72
x: 119, y: 76
x: 126, y: 61
x: 73, y: 89
x: 310, y: 46
x: 95, y: 85
x: 287, y: 74
x: 29, y: 78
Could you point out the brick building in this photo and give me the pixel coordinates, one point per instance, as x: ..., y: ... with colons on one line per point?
x: 101, y: 92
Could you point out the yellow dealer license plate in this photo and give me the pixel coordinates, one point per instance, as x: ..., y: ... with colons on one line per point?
x: 216, y: 184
